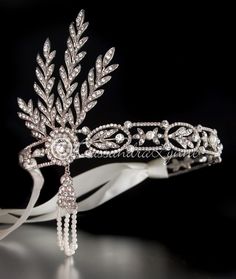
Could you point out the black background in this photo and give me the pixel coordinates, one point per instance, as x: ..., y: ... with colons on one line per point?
x: 176, y: 63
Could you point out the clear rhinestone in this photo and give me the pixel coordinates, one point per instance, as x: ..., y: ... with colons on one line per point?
x: 61, y: 148
x: 220, y: 147
x: 213, y: 140
x: 150, y: 135
x: 130, y: 148
x: 199, y: 128
x: 203, y: 159
x: 85, y: 130
x: 128, y: 124
x: 156, y: 140
x: 164, y: 123
x: 119, y: 138
x: 195, y: 137
x: 36, y: 153
x: 167, y: 146
x: 88, y: 154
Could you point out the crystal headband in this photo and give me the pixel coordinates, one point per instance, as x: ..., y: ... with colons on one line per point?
x: 184, y: 145
x: 56, y: 122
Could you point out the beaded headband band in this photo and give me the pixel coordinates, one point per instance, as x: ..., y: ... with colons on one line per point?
x: 56, y: 123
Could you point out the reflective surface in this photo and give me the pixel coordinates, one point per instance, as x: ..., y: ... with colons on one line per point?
x: 31, y: 252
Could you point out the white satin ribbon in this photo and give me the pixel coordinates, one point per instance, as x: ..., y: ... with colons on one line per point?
x: 116, y: 178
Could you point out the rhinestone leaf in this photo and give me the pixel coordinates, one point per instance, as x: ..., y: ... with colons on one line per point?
x: 46, y: 48
x: 40, y: 76
x: 90, y: 106
x: 80, y: 18
x: 108, y: 56
x: 22, y: 105
x: 99, y: 67
x: 110, y: 69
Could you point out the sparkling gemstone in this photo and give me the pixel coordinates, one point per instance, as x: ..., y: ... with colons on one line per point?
x: 130, y: 148
x: 167, y: 146
x: 119, y: 138
x: 195, y: 137
x: 156, y: 140
x: 150, y: 135
x: 213, y: 140
x: 88, y: 154
x: 165, y: 123
x: 61, y: 148
x: 128, y: 124
x: 85, y: 130
x: 203, y: 159
x: 199, y: 128
x: 36, y: 153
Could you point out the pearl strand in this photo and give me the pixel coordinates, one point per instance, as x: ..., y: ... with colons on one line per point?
x: 70, y: 229
x: 60, y: 241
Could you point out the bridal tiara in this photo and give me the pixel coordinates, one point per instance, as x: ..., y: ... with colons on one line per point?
x: 56, y: 124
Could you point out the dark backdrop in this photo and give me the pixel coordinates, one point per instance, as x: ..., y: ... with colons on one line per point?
x: 176, y: 63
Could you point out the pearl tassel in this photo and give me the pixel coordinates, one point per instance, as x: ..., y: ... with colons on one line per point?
x: 68, y: 232
x: 67, y: 216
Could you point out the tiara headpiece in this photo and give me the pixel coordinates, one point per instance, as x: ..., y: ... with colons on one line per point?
x: 56, y: 124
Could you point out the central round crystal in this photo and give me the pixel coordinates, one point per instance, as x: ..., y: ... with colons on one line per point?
x: 61, y: 148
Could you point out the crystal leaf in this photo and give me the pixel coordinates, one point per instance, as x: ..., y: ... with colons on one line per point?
x: 40, y: 76
x: 98, y: 67
x: 24, y: 116
x: 80, y: 18
x: 71, y: 89
x: 61, y: 91
x: 51, y: 101
x: 59, y: 106
x: 41, y: 63
x: 72, y: 31
x: 63, y: 76
x: 46, y: 48
x: 182, y: 131
x: 111, y: 144
x: 43, y: 109
x: 51, y: 56
x: 96, y: 94
x: 80, y: 56
x: 84, y: 91
x: 40, y: 92
x: 82, y: 42
x: 110, y: 69
x: 77, y: 104
x: 91, y: 79
x: 71, y: 118
x: 90, y: 105
x: 50, y: 70
x: 108, y: 56
x: 22, y: 105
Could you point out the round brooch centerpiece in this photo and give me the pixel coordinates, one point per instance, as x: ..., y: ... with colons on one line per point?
x: 62, y: 146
